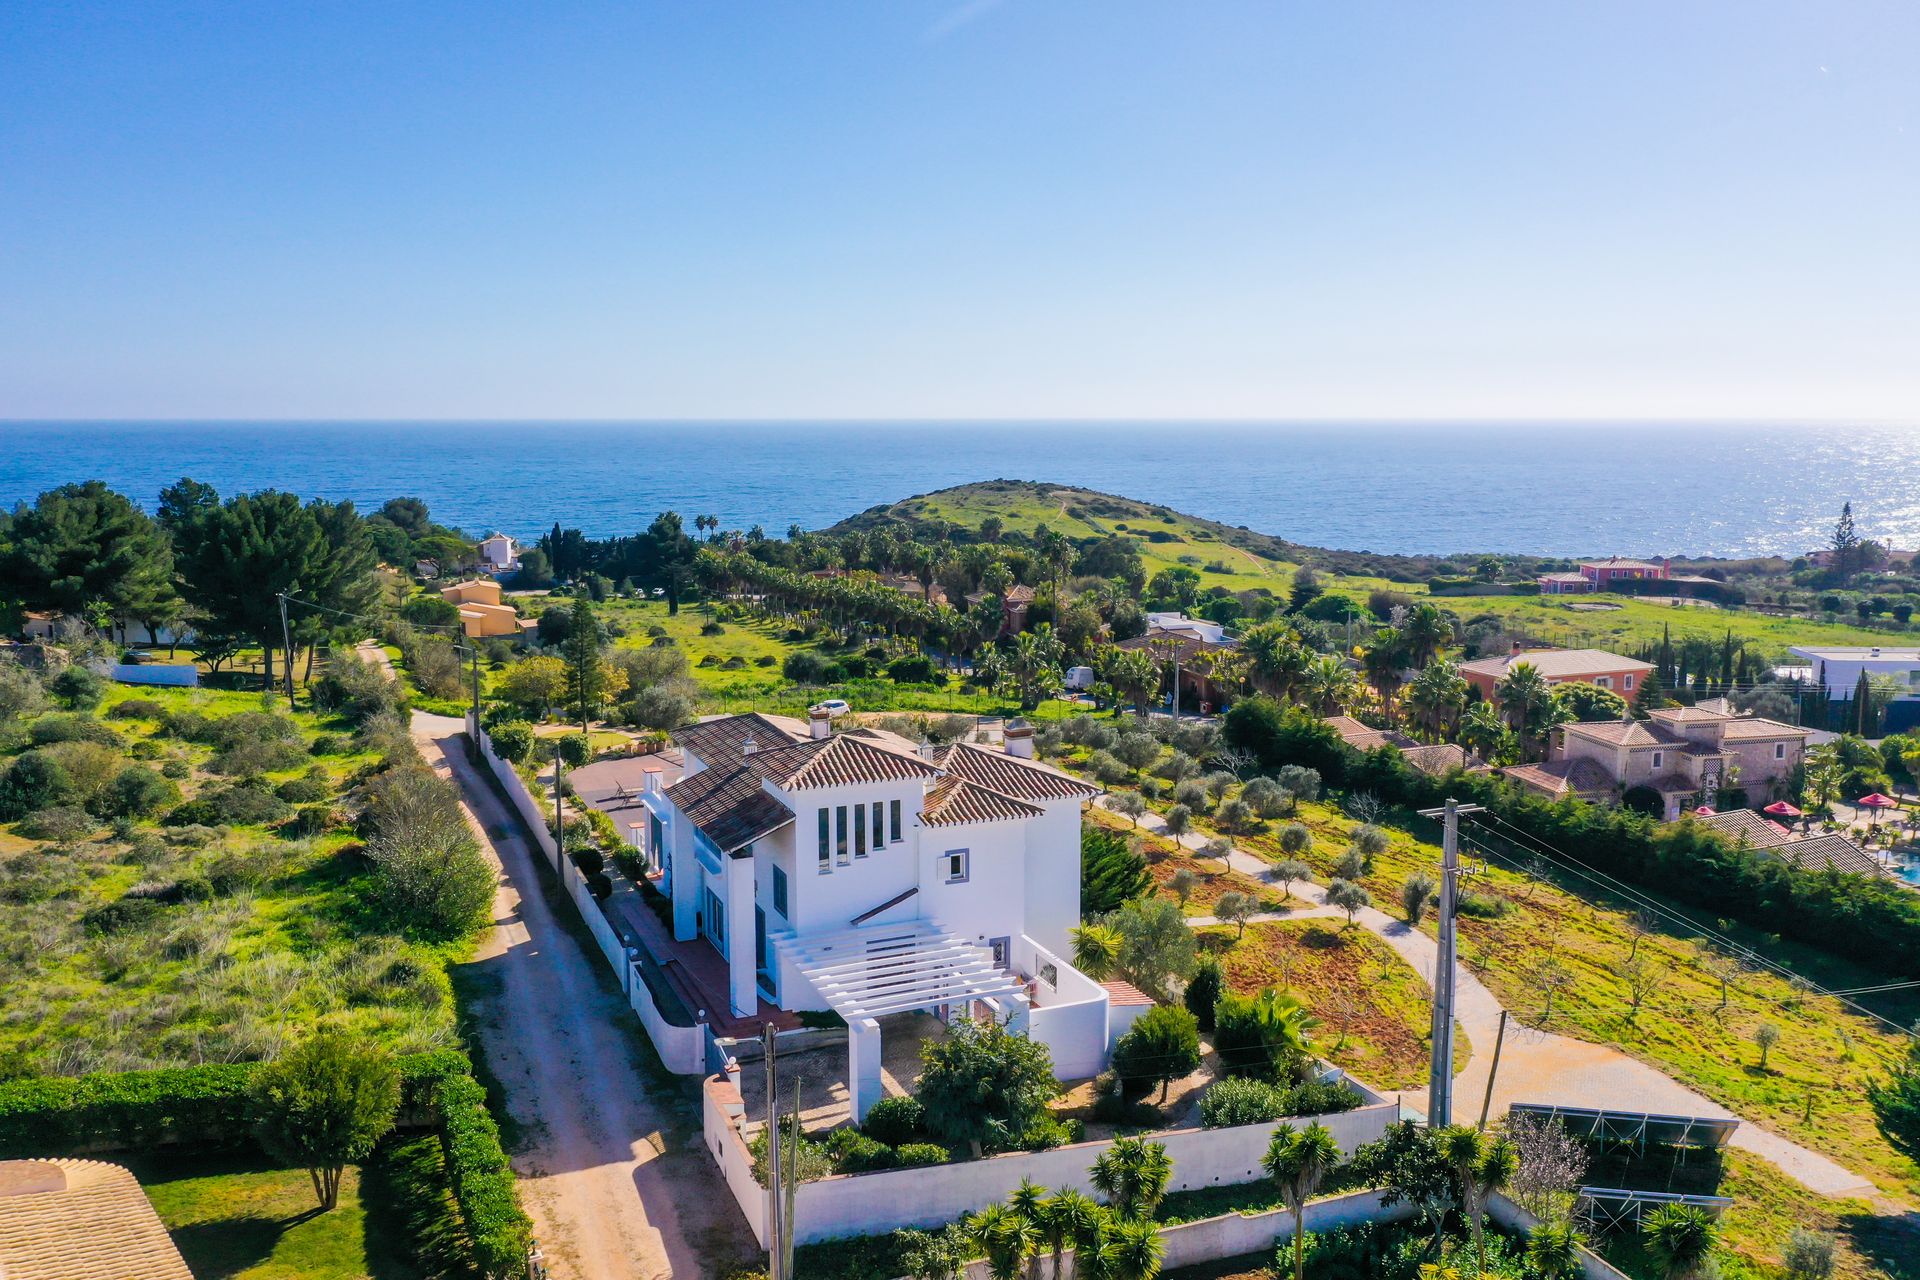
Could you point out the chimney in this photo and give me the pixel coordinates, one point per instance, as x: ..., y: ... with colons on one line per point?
x: 1515, y: 651
x: 819, y: 723
x: 650, y: 778
x: 1018, y: 736
x: 748, y: 747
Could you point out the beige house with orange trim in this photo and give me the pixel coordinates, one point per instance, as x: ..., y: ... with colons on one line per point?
x: 482, y: 615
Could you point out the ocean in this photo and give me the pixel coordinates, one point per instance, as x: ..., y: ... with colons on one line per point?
x: 1640, y: 489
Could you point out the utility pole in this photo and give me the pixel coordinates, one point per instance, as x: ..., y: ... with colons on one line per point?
x: 1440, y: 1077
x: 286, y: 652
x: 1499, y: 1042
x: 774, y: 1206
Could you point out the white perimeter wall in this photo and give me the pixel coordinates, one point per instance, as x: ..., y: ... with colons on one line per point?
x: 869, y: 1203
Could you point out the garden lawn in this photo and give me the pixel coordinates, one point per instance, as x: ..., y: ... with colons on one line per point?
x: 742, y: 660
x: 1372, y: 1006
x: 242, y: 1218
x: 1825, y: 1051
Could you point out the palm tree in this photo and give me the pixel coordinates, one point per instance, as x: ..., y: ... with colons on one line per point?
x: 1135, y: 676
x: 1132, y: 1174
x: 1286, y: 1026
x: 1067, y: 1217
x: 1383, y: 659
x: 1096, y: 949
x: 1027, y: 1200
x: 1298, y: 1162
x: 1425, y: 632
x: 1131, y: 1252
x: 1279, y: 660
x: 1481, y: 1166
x: 1526, y: 700
x: 1329, y: 685
x: 1681, y: 1239
x: 1005, y: 1238
x: 1483, y: 732
x: 1437, y: 696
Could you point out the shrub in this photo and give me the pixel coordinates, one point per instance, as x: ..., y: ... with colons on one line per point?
x: 238, y: 805
x: 35, y: 780
x: 1162, y: 1045
x: 61, y: 822
x: 176, y: 769
x: 357, y: 691
x: 512, y: 741
x: 72, y: 728
x: 589, y: 860
x: 78, y: 689
x: 329, y: 744
x: 915, y: 670
x: 1203, y: 990
x: 854, y: 1152
x: 913, y: 1155
x: 138, y: 793
x: 895, y: 1121
x: 430, y: 873
x: 600, y: 886
x: 479, y: 1176
x: 303, y: 790
x: 324, y: 1104
x: 1049, y: 1131
x: 1238, y: 1100
x: 807, y: 667
x: 120, y: 916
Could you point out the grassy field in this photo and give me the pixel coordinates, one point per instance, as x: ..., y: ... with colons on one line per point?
x: 1825, y: 1052
x: 1635, y: 623
x: 242, y: 1218
x: 150, y: 945
x: 741, y: 661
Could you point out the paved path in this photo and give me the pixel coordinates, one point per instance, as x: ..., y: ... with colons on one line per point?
x: 608, y: 1150
x: 1539, y: 1066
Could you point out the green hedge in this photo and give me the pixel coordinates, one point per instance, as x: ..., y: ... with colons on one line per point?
x: 209, y: 1106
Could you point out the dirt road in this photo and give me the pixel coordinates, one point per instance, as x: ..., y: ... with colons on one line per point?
x: 606, y: 1144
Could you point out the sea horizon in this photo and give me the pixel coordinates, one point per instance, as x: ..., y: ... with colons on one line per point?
x: 1701, y: 487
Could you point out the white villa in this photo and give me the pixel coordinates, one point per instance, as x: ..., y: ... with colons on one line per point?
x: 856, y: 872
x: 499, y: 553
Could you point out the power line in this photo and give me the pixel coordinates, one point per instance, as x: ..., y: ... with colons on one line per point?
x: 1654, y: 906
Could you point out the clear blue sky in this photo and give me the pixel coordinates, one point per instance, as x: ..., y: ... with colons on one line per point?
x: 944, y: 208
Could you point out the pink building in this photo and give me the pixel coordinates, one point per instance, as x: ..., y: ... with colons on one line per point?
x: 1557, y: 666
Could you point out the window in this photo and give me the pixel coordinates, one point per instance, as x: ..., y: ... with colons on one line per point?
x: 896, y: 820
x: 1779, y: 751
x: 957, y: 860
x: 826, y: 842
x: 840, y: 835
x: 877, y: 814
x: 1603, y: 682
x: 780, y: 891
x: 1627, y: 684
x: 1657, y: 757
x: 859, y: 831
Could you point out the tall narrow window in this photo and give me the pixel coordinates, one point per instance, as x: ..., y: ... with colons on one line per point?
x: 840, y: 835
x: 896, y: 819
x: 859, y: 831
x: 826, y: 840
x: 879, y: 826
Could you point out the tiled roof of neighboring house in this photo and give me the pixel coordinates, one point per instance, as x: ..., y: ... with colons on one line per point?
x: 728, y: 805
x: 1752, y: 728
x: 1022, y: 779
x: 1124, y: 993
x: 1714, y: 706
x: 1820, y: 852
x: 1673, y: 784
x: 953, y: 801
x: 1363, y: 737
x: 718, y: 741
x: 1439, y: 758
x: 1562, y: 777
x: 839, y: 761
x: 1685, y: 715
x: 1182, y: 641
x: 1743, y: 825
x: 1560, y: 664
x: 1615, y: 562
x: 1562, y: 577
x: 81, y: 1220
x: 1019, y: 593
x: 1624, y: 733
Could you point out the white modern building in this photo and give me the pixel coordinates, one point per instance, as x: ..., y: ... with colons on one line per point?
x: 499, y: 553
x: 855, y: 872
x: 1837, y: 668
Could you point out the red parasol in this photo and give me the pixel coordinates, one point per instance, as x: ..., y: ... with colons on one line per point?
x: 1781, y: 809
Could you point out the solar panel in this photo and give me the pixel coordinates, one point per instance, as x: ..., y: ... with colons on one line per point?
x: 1708, y: 1132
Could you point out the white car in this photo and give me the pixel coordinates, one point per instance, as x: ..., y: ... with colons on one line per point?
x: 834, y: 707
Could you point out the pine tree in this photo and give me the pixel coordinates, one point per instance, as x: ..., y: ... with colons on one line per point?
x: 584, y: 677
x: 1846, y: 546
x: 1862, y: 707
x: 1651, y: 695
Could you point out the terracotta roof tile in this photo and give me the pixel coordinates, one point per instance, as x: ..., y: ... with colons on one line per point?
x: 1755, y: 728
x: 1742, y: 824
x: 839, y: 761
x: 1562, y: 777
x: 81, y: 1220
x: 1010, y: 776
x: 1624, y: 733
x: 729, y: 806
x: 954, y: 801
x: 718, y: 741
x: 1560, y: 664
x: 1125, y: 993
x: 1821, y: 852
x: 1439, y: 758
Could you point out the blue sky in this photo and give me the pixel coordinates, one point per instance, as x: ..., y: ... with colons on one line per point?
x: 960, y: 209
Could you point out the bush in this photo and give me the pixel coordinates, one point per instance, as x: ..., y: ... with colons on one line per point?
x: 1203, y: 990
x: 72, y: 728
x: 303, y: 790
x: 804, y: 666
x: 138, y: 793
x: 575, y: 749
x: 357, y: 691
x: 61, y: 822
x: 915, y: 670
x: 238, y: 805
x: 1162, y: 1045
x: 1049, y: 1131
x: 1238, y: 1100
x: 329, y: 744
x: 512, y: 741
x: 895, y: 1121
x: 35, y: 780
x: 78, y: 689
x: 600, y: 886
x: 854, y: 1152
x: 913, y: 1155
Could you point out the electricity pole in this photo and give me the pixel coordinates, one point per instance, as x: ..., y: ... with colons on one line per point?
x: 775, y: 1270
x: 286, y: 653
x: 1440, y: 1076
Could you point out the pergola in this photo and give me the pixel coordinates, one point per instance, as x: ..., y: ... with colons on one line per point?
x: 870, y: 971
